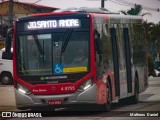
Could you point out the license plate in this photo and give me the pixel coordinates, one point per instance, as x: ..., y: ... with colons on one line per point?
x: 54, y: 102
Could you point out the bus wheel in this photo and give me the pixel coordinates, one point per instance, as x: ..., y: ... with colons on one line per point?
x: 108, y: 103
x: 133, y: 99
x: 6, y: 78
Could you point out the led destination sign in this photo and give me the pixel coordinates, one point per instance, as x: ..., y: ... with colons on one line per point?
x: 47, y: 24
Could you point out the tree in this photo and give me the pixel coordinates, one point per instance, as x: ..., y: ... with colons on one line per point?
x: 136, y: 10
x: 156, y: 33
x: 148, y: 35
x: 155, y: 37
x: 152, y: 35
x: 151, y: 66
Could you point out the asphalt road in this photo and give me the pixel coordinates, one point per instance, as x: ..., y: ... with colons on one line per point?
x: 147, y: 108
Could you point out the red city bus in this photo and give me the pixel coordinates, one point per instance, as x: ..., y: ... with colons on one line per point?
x: 78, y: 57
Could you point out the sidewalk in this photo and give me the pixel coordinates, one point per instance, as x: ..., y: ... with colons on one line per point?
x: 152, y: 93
x: 7, y: 98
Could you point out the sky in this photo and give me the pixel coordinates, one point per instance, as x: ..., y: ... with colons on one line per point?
x: 149, y: 6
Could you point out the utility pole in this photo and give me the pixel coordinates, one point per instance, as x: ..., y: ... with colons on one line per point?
x: 102, y: 3
x: 10, y: 16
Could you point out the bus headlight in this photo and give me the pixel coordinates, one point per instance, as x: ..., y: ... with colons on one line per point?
x: 85, y: 85
x: 23, y: 89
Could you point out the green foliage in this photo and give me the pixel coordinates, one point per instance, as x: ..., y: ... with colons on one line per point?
x: 152, y: 35
x: 155, y: 32
x: 136, y: 10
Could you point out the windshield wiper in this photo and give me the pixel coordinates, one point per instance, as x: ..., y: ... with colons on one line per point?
x: 65, y: 43
x: 38, y: 44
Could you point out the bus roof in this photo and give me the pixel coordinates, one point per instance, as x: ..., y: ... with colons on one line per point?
x: 115, y: 17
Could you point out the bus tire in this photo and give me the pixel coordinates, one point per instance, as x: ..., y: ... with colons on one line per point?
x: 107, y: 106
x: 6, y: 78
x: 134, y: 99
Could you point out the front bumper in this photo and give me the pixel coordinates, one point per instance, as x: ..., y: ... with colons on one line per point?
x: 28, y: 101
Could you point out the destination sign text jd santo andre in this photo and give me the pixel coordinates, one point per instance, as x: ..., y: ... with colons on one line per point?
x: 48, y: 24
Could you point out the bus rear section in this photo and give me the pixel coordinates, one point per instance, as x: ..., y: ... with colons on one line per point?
x: 54, y: 61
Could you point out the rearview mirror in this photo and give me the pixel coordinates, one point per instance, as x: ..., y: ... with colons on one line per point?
x: 98, y: 42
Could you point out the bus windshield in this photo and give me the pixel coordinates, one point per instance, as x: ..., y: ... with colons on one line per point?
x: 53, y: 53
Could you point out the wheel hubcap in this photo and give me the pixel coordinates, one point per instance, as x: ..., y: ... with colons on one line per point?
x: 5, y: 79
